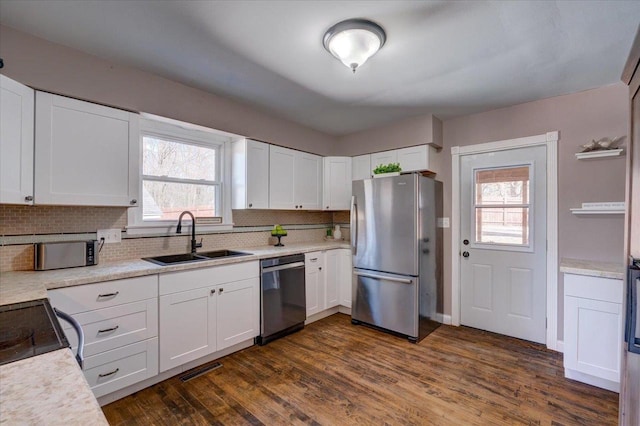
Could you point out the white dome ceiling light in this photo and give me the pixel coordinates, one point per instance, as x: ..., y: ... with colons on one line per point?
x: 354, y: 41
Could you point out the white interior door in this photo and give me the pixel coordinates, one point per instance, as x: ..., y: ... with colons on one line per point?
x: 503, y: 242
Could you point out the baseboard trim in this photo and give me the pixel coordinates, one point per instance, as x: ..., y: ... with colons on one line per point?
x: 446, y: 319
x: 560, y: 346
x: 592, y: 380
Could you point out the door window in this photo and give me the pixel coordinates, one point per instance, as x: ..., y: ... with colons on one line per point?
x: 502, y: 204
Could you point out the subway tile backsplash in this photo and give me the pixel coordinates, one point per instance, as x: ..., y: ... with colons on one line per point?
x: 43, y: 222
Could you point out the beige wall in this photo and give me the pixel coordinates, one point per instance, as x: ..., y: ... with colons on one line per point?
x: 56, y: 68
x: 579, y: 118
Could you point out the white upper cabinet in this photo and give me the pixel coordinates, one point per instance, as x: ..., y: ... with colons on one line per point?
x: 85, y: 154
x: 361, y: 167
x: 281, y: 166
x: 336, y: 189
x: 384, y: 158
x: 413, y: 158
x: 308, y: 181
x: 250, y: 174
x: 295, y: 179
x: 16, y: 142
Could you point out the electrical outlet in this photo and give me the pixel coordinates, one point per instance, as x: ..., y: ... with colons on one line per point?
x: 109, y: 235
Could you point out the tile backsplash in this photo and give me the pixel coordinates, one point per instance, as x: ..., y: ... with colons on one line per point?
x: 64, y: 220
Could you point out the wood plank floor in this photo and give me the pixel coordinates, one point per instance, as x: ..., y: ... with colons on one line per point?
x: 335, y: 373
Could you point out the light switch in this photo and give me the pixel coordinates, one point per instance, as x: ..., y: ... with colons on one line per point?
x: 443, y: 222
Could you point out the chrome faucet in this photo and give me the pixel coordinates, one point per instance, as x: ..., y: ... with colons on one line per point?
x: 194, y: 244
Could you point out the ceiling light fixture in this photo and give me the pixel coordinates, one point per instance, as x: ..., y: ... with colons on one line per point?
x: 354, y: 41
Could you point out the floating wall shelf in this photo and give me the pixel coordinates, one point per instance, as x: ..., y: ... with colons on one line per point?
x: 595, y: 211
x: 599, y: 154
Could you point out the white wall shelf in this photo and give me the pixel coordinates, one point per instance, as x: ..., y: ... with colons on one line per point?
x: 599, y: 154
x: 581, y: 211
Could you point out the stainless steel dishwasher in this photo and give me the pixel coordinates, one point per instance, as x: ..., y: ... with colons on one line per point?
x: 283, y: 307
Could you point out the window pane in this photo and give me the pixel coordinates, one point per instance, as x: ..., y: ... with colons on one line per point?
x: 178, y: 160
x: 166, y: 200
x: 509, y: 225
x: 502, y: 186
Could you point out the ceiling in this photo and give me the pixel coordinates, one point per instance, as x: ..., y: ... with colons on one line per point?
x: 447, y: 58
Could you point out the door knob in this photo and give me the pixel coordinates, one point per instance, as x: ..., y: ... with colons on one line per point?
x: 465, y: 242
x: 465, y: 254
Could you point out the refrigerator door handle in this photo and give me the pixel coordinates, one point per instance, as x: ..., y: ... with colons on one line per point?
x: 384, y: 277
x: 354, y: 225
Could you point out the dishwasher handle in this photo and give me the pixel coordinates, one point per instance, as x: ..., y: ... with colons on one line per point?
x: 78, y: 328
x: 281, y: 267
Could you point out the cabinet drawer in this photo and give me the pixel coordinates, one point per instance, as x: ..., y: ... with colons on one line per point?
x: 88, y: 297
x: 174, y: 282
x: 110, y: 328
x: 605, y: 289
x: 109, y: 371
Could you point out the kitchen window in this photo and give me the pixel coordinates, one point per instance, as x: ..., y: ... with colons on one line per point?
x: 182, y: 167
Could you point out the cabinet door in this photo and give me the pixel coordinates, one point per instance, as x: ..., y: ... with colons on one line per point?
x: 308, y: 181
x: 337, y: 183
x: 361, y: 167
x: 592, y: 333
x: 413, y: 158
x: 187, y: 326
x: 314, y: 279
x: 85, y: 154
x: 238, y: 312
x: 257, y: 175
x: 281, y: 181
x: 383, y: 158
x: 345, y: 276
x: 332, y: 289
x: 16, y: 142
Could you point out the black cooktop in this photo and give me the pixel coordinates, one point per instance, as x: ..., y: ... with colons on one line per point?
x: 28, y: 329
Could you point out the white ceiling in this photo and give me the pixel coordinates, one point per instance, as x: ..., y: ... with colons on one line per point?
x: 448, y: 58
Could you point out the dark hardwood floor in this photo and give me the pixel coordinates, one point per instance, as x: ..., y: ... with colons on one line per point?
x: 335, y: 373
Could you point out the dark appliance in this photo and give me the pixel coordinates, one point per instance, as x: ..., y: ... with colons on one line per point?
x: 283, y: 307
x: 28, y: 329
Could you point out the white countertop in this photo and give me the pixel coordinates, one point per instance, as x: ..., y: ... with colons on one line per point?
x: 593, y: 268
x: 47, y: 389
x: 50, y: 388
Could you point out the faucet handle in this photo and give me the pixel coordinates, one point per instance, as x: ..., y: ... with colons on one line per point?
x: 199, y: 245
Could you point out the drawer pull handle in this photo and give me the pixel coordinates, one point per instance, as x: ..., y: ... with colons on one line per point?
x: 106, y: 330
x: 109, y: 294
x: 109, y: 373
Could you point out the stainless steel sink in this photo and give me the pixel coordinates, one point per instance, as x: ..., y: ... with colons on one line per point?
x: 172, y: 259
x: 222, y: 253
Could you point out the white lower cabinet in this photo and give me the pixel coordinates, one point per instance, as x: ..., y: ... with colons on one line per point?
x: 328, y: 280
x: 120, y: 323
x: 593, y: 330
x: 187, y: 326
x: 314, y: 282
x: 112, y: 370
x: 345, y: 276
x: 206, y: 310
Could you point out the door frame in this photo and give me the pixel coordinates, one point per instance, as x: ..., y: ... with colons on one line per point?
x: 550, y: 140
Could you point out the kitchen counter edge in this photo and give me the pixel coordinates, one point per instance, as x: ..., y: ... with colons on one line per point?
x: 592, y: 268
x: 22, y: 286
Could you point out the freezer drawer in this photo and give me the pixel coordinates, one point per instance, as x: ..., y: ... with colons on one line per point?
x: 387, y: 301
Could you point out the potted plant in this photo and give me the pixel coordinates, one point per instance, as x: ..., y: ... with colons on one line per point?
x: 391, y: 169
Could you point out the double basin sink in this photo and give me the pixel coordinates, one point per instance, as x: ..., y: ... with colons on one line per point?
x: 173, y: 259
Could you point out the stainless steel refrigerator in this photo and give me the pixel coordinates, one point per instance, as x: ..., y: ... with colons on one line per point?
x: 397, y: 254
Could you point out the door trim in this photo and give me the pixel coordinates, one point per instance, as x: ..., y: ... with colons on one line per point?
x: 550, y: 140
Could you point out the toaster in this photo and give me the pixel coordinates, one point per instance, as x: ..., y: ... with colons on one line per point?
x: 66, y: 254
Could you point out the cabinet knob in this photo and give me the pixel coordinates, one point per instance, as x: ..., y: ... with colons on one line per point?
x: 300, y: 205
x: 320, y: 268
x: 250, y: 204
x: 213, y: 291
x: 133, y: 202
x: 28, y: 198
x: 296, y: 207
x: 221, y: 290
x: 327, y: 207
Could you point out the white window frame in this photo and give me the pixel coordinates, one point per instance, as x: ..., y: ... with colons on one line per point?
x: 168, y: 129
x: 503, y: 246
